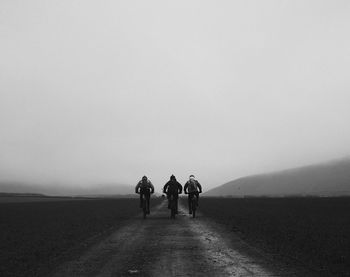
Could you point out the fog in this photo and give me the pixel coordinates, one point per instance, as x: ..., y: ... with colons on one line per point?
x: 98, y: 92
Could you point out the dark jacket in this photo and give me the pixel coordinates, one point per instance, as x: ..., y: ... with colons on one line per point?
x: 144, y: 187
x: 172, y: 187
x: 192, y: 186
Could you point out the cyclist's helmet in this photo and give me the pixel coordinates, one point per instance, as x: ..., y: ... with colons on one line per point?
x: 144, y: 178
x: 192, y: 177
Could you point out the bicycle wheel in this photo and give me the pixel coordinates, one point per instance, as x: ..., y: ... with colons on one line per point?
x: 172, y: 213
x: 172, y: 207
x: 144, y: 207
x: 194, y: 206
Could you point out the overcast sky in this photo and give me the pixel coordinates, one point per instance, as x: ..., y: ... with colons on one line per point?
x: 107, y: 91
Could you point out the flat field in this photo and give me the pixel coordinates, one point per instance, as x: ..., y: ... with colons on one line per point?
x: 36, y: 236
x: 312, y: 231
x: 22, y: 199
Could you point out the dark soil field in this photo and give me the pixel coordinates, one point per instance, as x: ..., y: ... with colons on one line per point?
x: 22, y: 199
x: 36, y: 236
x: 233, y: 237
x: 311, y: 231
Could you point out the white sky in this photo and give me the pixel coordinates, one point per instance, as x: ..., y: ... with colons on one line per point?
x: 107, y: 91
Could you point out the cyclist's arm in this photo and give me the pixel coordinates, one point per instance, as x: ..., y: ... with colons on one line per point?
x: 186, y: 187
x: 199, y: 186
x: 165, y: 187
x: 152, y: 187
x: 180, y: 188
x: 137, y: 187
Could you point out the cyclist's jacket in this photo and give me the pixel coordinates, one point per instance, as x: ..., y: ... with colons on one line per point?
x: 192, y: 186
x: 172, y: 187
x: 144, y: 187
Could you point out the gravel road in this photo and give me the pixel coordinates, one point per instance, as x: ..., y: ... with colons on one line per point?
x: 160, y: 246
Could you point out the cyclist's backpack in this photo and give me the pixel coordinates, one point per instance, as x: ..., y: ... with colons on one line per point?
x: 145, y: 185
x: 173, y: 188
x: 192, y: 186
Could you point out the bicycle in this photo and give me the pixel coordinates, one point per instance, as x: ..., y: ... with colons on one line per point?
x: 145, y: 207
x: 194, y: 204
x: 172, y: 205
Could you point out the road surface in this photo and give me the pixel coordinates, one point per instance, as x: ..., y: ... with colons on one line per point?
x: 160, y: 246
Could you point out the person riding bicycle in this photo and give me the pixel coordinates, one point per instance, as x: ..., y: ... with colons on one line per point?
x: 144, y: 187
x: 172, y: 187
x: 192, y: 188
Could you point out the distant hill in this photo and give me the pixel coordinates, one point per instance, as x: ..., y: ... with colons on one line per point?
x: 62, y: 190
x: 327, y: 179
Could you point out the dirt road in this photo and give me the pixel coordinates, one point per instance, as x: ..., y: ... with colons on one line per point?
x: 159, y: 246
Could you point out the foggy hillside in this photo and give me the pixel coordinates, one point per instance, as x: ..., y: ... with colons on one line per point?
x: 52, y: 190
x: 327, y: 179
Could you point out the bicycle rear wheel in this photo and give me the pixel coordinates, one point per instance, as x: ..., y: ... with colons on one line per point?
x: 144, y: 207
x: 172, y: 207
x: 194, y: 206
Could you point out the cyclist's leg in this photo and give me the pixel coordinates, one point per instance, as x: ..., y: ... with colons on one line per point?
x: 197, y: 196
x: 189, y: 203
x: 141, y: 200
x: 148, y: 202
x: 176, y: 199
x: 168, y: 196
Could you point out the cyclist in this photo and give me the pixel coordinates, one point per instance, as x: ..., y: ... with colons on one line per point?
x: 145, y: 187
x: 192, y: 188
x: 172, y: 187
